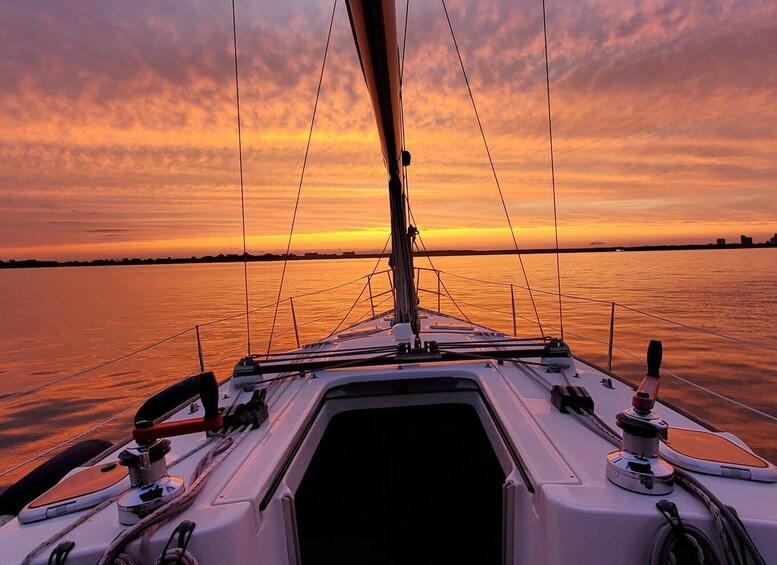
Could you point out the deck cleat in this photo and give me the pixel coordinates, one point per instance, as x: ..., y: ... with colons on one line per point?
x: 637, y: 466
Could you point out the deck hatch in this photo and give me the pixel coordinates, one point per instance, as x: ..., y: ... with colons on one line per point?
x: 420, y: 482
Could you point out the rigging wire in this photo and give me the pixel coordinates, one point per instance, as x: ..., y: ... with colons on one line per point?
x: 242, y: 190
x: 429, y: 258
x: 552, y: 171
x: 302, y: 176
x: 406, y: 180
x: 94, y: 367
x: 70, y: 439
x: 493, y: 168
x: 625, y: 307
x: 12, y: 395
x: 404, y: 46
x: 368, y: 277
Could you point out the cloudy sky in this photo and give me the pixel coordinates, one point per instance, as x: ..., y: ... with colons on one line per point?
x: 119, y: 132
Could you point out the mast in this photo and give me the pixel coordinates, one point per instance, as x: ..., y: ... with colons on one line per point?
x: 374, y: 27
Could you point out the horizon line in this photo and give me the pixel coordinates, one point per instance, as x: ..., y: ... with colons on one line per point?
x: 317, y: 255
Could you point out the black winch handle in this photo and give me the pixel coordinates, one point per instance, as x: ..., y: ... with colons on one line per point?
x: 645, y: 397
x: 209, y: 395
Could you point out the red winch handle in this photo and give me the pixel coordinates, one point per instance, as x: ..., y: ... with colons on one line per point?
x: 211, y: 421
x: 645, y: 397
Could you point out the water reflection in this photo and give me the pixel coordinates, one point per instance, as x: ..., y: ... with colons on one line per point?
x: 60, y: 321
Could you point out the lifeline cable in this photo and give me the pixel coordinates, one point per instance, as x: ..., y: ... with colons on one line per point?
x: 493, y: 168
x: 302, y: 177
x: 242, y: 198
x: 552, y: 171
x: 368, y: 277
x: 429, y: 258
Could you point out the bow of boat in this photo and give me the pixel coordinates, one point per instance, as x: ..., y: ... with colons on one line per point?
x: 465, y: 446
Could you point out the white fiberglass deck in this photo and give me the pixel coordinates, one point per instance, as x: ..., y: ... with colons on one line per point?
x: 555, y: 504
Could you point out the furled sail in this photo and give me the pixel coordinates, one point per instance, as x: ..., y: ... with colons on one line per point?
x: 374, y: 28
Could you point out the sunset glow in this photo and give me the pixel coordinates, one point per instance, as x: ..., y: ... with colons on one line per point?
x: 119, y: 132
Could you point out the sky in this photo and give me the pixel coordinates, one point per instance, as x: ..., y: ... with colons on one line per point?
x: 118, y: 131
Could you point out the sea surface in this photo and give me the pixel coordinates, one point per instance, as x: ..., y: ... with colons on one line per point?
x: 82, y: 347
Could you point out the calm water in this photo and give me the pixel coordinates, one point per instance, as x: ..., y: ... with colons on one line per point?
x: 59, y: 322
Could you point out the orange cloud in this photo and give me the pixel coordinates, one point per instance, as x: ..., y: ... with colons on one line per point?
x: 119, y: 133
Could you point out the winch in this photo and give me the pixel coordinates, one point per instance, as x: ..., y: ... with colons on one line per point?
x: 151, y: 485
x: 637, y: 466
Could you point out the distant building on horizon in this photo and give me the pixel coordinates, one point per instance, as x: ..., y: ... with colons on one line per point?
x: 745, y: 240
x: 721, y: 241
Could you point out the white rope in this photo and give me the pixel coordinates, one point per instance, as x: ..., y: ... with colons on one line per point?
x: 176, y: 556
x: 67, y: 529
x: 179, y: 504
x: 91, y: 512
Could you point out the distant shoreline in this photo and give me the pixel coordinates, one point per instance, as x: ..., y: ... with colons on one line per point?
x: 235, y: 257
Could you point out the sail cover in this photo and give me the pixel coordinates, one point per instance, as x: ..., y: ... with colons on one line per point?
x: 374, y: 26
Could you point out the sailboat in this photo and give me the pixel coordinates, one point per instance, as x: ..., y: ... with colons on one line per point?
x: 413, y: 436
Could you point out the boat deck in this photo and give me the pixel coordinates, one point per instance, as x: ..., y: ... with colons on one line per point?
x: 557, y: 505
